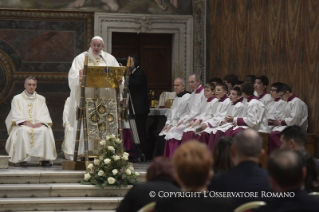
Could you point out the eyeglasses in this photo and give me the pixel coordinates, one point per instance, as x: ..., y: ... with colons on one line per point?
x: 281, y: 95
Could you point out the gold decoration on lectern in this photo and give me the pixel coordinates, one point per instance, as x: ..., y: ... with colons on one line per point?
x: 97, y: 76
x: 102, y: 114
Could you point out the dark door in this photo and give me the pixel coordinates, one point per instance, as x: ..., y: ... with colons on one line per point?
x: 154, y: 52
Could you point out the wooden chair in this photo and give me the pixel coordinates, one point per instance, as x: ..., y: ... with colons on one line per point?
x: 249, y: 205
x: 148, y: 207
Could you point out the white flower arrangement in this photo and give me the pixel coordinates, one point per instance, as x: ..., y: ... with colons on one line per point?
x: 100, y: 173
x: 110, y: 148
x: 107, y: 161
x: 103, y: 142
x: 128, y: 172
x: 111, y: 168
x: 87, y: 176
x: 96, y: 161
x: 114, y: 171
x: 111, y: 180
x: 90, y: 166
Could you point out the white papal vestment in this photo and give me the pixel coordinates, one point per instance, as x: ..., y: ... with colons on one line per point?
x: 25, y: 141
x: 75, y: 86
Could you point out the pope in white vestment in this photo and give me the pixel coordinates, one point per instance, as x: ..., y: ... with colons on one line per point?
x: 96, y: 57
x: 29, y: 128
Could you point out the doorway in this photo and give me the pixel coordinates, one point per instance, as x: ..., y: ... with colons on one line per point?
x: 155, y: 56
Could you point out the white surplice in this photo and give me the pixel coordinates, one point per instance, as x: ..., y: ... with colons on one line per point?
x: 178, y: 108
x: 295, y: 113
x: 196, y: 99
x: 75, y: 86
x: 253, y: 117
x: 204, y: 112
x: 273, y: 109
x: 218, y: 115
x: 25, y: 141
x: 237, y: 110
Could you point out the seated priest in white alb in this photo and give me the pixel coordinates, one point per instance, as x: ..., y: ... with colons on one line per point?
x: 69, y: 141
x: 29, y: 128
x: 96, y: 57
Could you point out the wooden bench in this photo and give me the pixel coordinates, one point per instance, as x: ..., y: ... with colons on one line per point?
x: 311, y: 147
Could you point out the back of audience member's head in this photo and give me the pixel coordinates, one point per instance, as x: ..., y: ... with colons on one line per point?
x: 231, y: 78
x: 160, y: 166
x: 284, y: 88
x: 286, y: 170
x: 248, y: 146
x: 311, y: 181
x: 210, y: 85
x: 247, y: 88
x: 222, y: 156
x: 193, y: 163
x: 293, y: 137
x: 215, y: 80
x: 250, y: 78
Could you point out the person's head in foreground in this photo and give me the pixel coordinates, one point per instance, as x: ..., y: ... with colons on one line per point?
x: 286, y: 170
x: 247, y: 146
x: 221, y: 155
x: 293, y: 137
x: 160, y: 167
x: 311, y: 180
x: 193, y: 163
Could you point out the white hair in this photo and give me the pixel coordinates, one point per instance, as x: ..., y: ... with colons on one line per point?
x: 30, y: 78
x: 181, y: 79
x: 97, y: 38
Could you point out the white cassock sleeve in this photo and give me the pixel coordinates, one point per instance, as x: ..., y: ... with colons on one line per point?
x: 180, y: 109
x: 298, y: 112
x: 253, y: 116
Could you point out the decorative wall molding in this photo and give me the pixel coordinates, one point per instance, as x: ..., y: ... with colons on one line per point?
x: 199, y: 13
x: 180, y: 26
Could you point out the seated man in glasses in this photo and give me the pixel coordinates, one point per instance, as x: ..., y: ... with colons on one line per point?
x: 295, y: 113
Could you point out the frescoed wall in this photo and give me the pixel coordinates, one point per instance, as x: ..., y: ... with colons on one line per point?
x: 165, y: 7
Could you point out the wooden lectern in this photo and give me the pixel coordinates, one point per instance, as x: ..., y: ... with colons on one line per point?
x: 96, y: 77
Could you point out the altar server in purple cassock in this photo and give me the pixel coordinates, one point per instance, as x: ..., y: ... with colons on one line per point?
x: 236, y: 109
x: 203, y: 114
x: 295, y: 113
x: 254, y: 112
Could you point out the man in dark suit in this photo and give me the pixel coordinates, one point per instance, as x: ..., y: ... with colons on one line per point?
x: 246, y: 176
x: 138, y: 96
x: 286, y: 174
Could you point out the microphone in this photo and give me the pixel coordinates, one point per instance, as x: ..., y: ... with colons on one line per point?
x: 106, y: 68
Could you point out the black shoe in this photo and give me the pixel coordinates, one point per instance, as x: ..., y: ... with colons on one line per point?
x: 46, y: 163
x: 24, y: 164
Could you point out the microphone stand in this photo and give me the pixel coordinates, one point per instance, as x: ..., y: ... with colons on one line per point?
x: 108, y: 89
